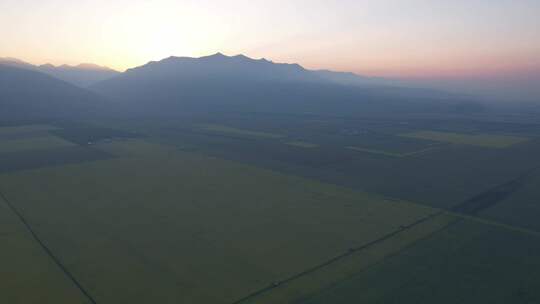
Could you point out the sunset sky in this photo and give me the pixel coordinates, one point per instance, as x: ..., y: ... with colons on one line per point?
x: 399, y: 38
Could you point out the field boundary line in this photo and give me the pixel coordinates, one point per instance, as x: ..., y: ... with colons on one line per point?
x: 337, y: 258
x: 455, y: 221
x: 48, y: 251
x: 489, y: 222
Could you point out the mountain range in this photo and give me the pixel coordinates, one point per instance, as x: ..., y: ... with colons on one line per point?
x: 88, y: 74
x: 82, y: 75
x: 26, y: 94
x: 212, y: 83
x: 226, y: 83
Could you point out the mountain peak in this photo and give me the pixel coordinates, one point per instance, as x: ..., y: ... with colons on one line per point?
x: 216, y: 56
x: 14, y: 62
x: 47, y: 66
x: 92, y: 66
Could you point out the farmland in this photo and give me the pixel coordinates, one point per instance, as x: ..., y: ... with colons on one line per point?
x: 220, y: 129
x: 423, y: 273
x: 481, y: 140
x: 437, y: 174
x: 35, y: 146
x: 188, y: 213
x: 32, y: 137
x: 25, y: 266
x: 243, y: 209
x: 302, y: 144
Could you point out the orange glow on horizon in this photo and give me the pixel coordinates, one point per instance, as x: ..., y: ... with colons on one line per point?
x: 412, y: 39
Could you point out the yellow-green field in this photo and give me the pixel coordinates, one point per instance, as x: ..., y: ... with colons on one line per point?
x: 30, y: 137
x: 234, y: 131
x: 297, y: 289
x: 302, y: 144
x: 27, y: 274
x: 33, y: 143
x: 390, y: 154
x: 481, y: 140
x: 26, y: 129
x: 158, y: 225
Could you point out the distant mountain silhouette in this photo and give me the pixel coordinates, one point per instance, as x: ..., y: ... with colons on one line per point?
x: 82, y: 75
x: 219, y: 66
x: 14, y: 62
x: 26, y: 94
x: 239, y: 83
x: 348, y: 78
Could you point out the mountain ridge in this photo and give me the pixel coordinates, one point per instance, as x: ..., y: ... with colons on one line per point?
x: 27, y: 94
x: 81, y: 75
x: 241, y: 83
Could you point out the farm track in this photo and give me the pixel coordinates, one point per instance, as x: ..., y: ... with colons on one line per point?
x: 48, y: 251
x: 337, y: 258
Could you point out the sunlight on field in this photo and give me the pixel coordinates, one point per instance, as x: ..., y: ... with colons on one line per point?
x: 481, y: 140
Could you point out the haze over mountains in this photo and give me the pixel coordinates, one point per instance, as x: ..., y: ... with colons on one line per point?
x: 213, y: 83
x: 82, y: 75
x: 241, y: 83
x: 516, y: 87
x: 87, y: 74
x: 26, y: 94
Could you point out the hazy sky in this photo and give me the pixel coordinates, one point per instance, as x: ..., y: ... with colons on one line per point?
x: 421, y: 38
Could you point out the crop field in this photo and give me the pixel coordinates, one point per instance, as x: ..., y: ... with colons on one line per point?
x: 83, y: 134
x: 27, y: 274
x: 391, y: 154
x: 36, y: 143
x: 246, y: 211
x: 220, y: 129
x: 467, y: 262
x: 177, y: 232
x: 481, y: 140
x: 34, y: 146
x: 32, y: 159
x: 302, y: 144
x: 31, y: 137
x: 21, y: 129
x: 521, y: 207
x: 15, y: 139
x: 388, y: 143
x: 443, y: 177
x: 303, y: 285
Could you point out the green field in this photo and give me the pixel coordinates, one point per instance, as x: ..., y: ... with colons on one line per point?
x: 302, y: 144
x: 481, y: 140
x: 391, y: 154
x: 298, y: 288
x: 35, y: 143
x: 522, y: 207
x: 234, y: 131
x: 161, y: 225
x: 21, y: 129
x: 29, y: 138
x: 187, y: 212
x: 468, y: 262
x: 27, y: 274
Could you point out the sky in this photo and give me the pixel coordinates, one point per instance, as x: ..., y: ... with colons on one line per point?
x: 391, y: 38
